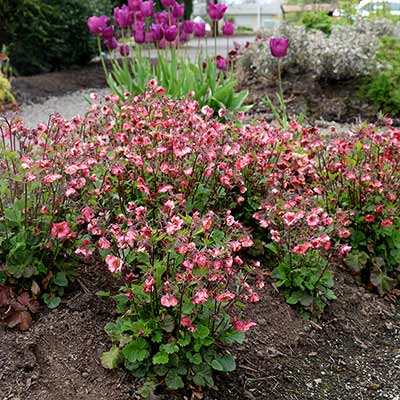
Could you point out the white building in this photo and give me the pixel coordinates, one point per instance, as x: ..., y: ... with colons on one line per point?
x: 254, y: 14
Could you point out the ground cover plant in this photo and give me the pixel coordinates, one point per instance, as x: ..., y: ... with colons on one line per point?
x: 138, y: 29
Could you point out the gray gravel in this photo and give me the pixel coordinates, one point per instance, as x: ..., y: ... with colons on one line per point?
x: 68, y: 106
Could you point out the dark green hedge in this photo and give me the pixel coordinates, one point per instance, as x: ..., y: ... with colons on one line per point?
x: 46, y: 35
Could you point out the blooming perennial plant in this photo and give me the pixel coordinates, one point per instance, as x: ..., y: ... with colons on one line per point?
x: 172, y: 201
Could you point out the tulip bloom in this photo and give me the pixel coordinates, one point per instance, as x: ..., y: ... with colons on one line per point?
x: 222, y: 63
x: 279, y: 47
x: 108, y: 33
x: 162, y: 18
x: 217, y: 11
x: 178, y: 10
x: 139, y: 35
x: 188, y: 26
x: 123, y: 16
x: 167, y: 3
x: 199, y: 29
x: 147, y: 8
x: 96, y: 25
x: 228, y: 29
x: 124, y: 50
x: 170, y: 33
x: 111, y: 43
x: 157, y: 32
x: 134, y: 5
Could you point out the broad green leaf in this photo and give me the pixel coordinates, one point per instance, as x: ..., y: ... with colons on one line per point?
x: 174, y: 381
x: 160, y: 358
x: 60, y: 279
x: 51, y: 301
x: 137, y: 350
x: 225, y: 363
x: 111, y: 359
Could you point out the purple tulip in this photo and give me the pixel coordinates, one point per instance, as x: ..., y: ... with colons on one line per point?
x: 139, y: 36
x: 279, y: 47
x: 147, y: 8
x: 149, y: 37
x: 199, y: 29
x: 170, y: 33
x: 217, y: 11
x: 124, y: 50
x: 184, y: 37
x: 108, y: 32
x: 167, y: 3
x: 228, y: 29
x: 157, y: 31
x: 222, y: 63
x: 111, y: 43
x: 96, y: 25
x: 188, y: 26
x: 139, y: 16
x: 134, y: 5
x: 123, y: 16
x: 178, y: 10
x: 162, y: 17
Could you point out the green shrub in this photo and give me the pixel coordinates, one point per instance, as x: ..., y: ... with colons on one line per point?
x: 45, y: 35
x: 318, y: 20
x: 383, y: 88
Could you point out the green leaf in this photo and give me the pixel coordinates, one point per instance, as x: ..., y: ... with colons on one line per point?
x: 194, y: 358
x: 103, y: 293
x: 201, y: 332
x: 51, y: 301
x: 225, y: 363
x: 169, y: 348
x: 232, y: 337
x: 184, y: 341
x: 60, y: 279
x: 203, y: 375
x: 160, y: 358
x: 137, y: 350
x: 356, y: 260
x: 174, y: 381
x: 111, y: 359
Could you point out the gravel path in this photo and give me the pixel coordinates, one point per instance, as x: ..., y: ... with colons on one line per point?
x: 76, y: 103
x: 68, y: 106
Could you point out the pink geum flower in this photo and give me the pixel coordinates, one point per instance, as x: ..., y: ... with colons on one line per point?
x: 344, y: 249
x: 301, y: 248
x: 114, y: 264
x: 225, y: 297
x: 312, y: 220
x: 242, y: 326
x: 174, y: 225
x: 200, y: 296
x: 60, y: 230
x: 290, y: 218
x: 169, y: 300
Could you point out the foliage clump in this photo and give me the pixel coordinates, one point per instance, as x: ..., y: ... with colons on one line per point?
x: 44, y: 35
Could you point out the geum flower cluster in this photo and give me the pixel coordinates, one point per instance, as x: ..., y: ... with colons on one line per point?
x: 360, y: 174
